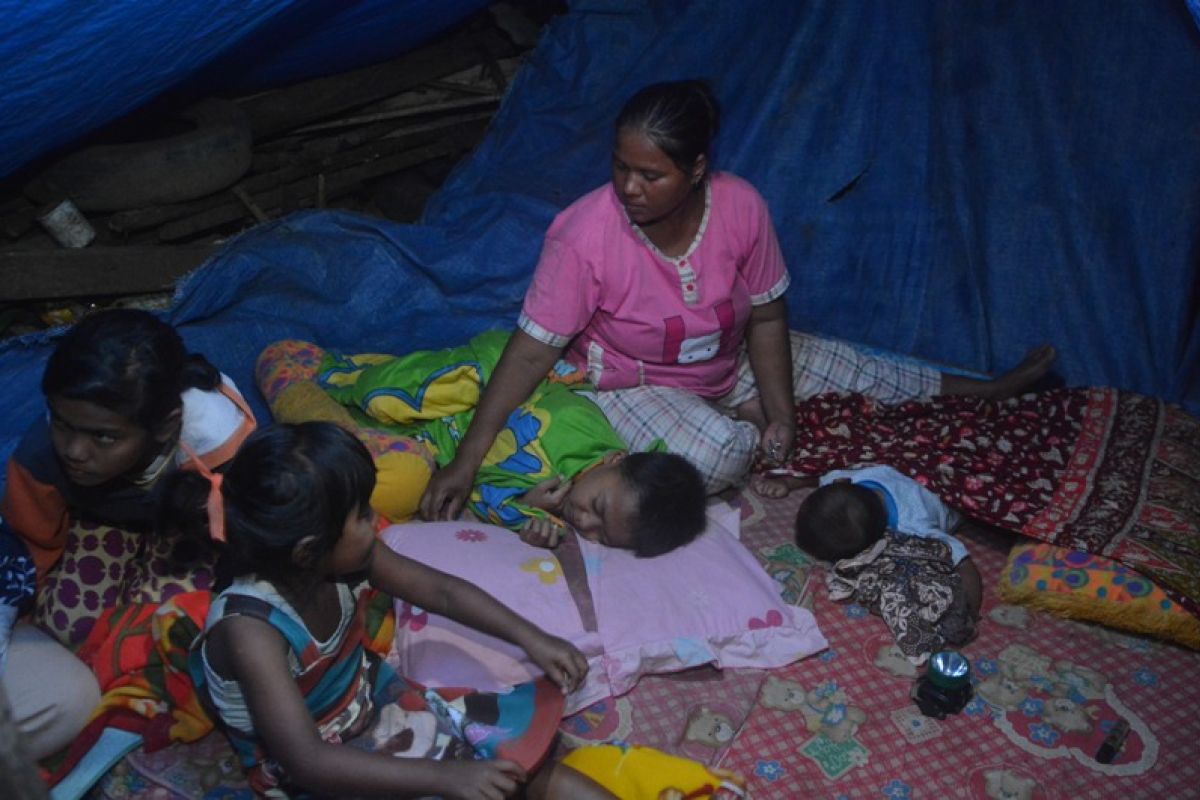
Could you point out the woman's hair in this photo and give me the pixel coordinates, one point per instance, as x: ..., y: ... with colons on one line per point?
x: 679, y: 117
x: 286, y: 483
x: 129, y: 362
x: 670, y: 501
x: 839, y: 520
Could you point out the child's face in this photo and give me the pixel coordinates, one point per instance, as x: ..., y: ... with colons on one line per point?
x: 96, y: 445
x: 602, y: 507
x: 354, y: 549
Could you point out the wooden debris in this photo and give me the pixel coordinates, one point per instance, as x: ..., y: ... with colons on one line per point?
x: 272, y: 113
x: 28, y: 274
x: 249, y: 203
x: 336, y: 184
x: 295, y: 166
x: 314, y: 142
x: 379, y: 116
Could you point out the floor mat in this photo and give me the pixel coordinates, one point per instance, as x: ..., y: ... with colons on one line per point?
x: 1047, y: 692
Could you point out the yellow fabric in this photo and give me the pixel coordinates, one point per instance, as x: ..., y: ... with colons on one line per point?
x: 1088, y: 587
x: 402, y: 466
x: 642, y: 773
x: 400, y: 480
x: 304, y: 401
x: 451, y: 393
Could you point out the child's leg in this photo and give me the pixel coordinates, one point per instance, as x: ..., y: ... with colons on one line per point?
x: 52, y: 693
x: 557, y: 781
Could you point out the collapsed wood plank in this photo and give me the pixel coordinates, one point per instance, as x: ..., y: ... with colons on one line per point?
x: 31, y: 274
x: 312, y: 160
x: 275, y: 112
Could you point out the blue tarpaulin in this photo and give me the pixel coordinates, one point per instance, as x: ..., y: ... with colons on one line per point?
x: 957, y: 181
x: 67, y: 68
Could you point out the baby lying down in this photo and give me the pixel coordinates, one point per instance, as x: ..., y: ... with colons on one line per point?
x: 893, y: 550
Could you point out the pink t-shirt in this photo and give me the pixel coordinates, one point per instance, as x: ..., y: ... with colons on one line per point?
x: 630, y: 315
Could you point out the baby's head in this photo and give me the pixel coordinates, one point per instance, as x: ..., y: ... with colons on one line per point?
x: 650, y: 503
x: 840, y: 520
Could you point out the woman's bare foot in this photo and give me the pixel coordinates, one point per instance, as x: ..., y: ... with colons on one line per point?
x: 1016, y: 381
x: 765, y: 486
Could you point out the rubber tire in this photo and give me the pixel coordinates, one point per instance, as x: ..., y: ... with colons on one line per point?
x: 211, y: 157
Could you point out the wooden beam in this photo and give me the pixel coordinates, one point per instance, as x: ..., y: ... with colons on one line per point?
x: 337, y: 184
x: 274, y: 112
x: 29, y: 274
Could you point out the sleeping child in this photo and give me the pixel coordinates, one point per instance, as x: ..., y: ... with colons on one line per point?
x: 556, y: 463
x: 865, y: 521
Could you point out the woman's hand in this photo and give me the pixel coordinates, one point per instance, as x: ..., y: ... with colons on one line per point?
x: 480, y: 780
x: 541, y: 532
x: 777, y: 442
x: 549, y: 494
x: 559, y: 659
x: 448, y: 489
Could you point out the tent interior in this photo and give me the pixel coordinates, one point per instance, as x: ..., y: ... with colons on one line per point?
x: 954, y: 182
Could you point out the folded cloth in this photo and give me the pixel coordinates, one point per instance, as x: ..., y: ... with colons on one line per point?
x: 139, y: 655
x: 911, y: 582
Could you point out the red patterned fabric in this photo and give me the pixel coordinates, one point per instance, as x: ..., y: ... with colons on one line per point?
x: 1099, y: 470
x: 1047, y: 691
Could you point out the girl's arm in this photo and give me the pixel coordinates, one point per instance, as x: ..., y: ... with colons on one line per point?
x: 523, y: 364
x: 255, y: 655
x: 769, y: 349
x: 441, y: 593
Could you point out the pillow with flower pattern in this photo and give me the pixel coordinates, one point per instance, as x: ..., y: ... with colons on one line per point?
x: 707, y: 603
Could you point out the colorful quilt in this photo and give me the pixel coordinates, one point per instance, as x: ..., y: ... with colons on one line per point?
x: 1103, y: 471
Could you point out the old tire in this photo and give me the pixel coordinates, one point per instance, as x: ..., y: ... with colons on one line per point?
x: 214, y: 154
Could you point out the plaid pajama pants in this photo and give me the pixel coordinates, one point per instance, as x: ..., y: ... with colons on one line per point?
x: 721, y: 447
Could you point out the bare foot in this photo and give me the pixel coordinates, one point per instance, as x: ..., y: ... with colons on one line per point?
x: 1016, y: 381
x: 764, y: 486
x: 1021, y: 377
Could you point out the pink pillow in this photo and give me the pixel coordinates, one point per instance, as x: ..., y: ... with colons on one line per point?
x: 707, y: 603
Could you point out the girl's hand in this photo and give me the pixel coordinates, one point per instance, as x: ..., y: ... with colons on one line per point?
x: 777, y: 441
x: 559, y: 659
x: 481, y: 780
x: 549, y: 494
x: 541, y: 532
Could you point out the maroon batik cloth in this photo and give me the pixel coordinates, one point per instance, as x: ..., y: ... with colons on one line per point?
x: 1100, y: 470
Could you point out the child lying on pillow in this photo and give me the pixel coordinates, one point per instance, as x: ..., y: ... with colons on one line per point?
x: 556, y: 462
x: 850, y: 510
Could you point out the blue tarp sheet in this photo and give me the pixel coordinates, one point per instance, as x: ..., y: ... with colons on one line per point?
x: 958, y: 181
x: 67, y: 68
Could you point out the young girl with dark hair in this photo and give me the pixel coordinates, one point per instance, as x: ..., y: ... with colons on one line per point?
x: 126, y: 405
x: 282, y: 660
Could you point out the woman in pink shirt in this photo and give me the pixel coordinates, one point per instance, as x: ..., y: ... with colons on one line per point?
x: 666, y: 286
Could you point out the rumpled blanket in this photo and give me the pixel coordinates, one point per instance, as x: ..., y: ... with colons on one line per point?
x: 911, y: 582
x: 139, y: 653
x: 1098, y: 470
